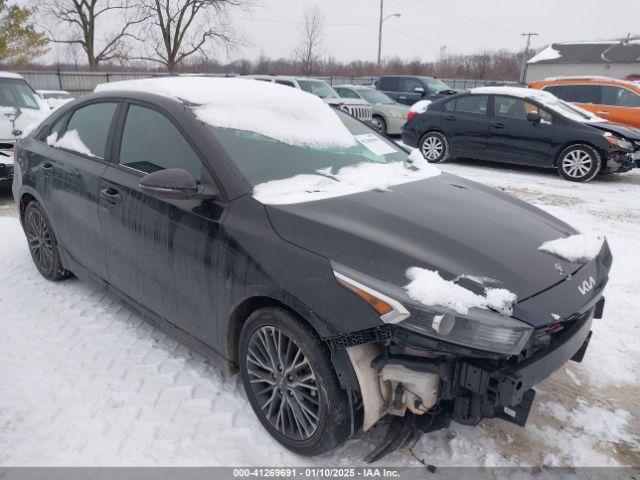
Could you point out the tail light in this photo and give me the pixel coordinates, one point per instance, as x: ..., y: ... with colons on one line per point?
x: 410, y: 115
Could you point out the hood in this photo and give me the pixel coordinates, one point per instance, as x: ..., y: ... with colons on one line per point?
x: 26, y: 117
x: 444, y: 223
x: 625, y: 131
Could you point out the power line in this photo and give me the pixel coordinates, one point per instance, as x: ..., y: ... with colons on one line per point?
x: 523, y: 70
x: 294, y: 22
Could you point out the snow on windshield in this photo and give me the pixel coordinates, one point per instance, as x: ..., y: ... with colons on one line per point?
x: 348, y: 180
x: 430, y: 289
x: 546, y: 98
x: 286, y: 114
x: 575, y: 248
x: 71, y: 141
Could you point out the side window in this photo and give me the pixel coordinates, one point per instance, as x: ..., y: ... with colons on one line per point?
x: 409, y: 84
x: 87, y: 130
x: 509, y: 107
x: 450, y: 106
x: 619, y: 97
x: 150, y: 143
x: 346, y: 93
x: 577, y: 93
x: 476, y: 104
x: 388, y: 83
x: 285, y: 82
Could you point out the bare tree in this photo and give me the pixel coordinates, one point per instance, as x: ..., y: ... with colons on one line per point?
x: 99, y: 27
x: 309, y: 51
x: 179, y: 29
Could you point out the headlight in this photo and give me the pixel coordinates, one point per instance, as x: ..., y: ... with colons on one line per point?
x: 398, y: 114
x: 479, y: 329
x: 482, y: 330
x: 617, y: 141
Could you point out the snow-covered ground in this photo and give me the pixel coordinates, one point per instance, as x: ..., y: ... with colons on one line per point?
x: 85, y: 382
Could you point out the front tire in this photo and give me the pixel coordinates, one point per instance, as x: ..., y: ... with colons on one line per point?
x: 379, y: 124
x: 291, y: 384
x: 579, y: 163
x: 434, y: 147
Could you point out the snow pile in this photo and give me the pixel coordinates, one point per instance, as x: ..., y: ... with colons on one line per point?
x: 71, y: 141
x: 548, y: 53
x: 287, y: 114
x: 430, y: 289
x: 575, y: 248
x: 348, y: 180
x: 420, y: 106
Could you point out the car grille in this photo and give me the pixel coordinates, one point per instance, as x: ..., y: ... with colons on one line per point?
x: 5, y: 170
x: 361, y: 112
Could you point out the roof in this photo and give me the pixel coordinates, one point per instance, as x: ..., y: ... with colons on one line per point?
x: 595, y: 79
x: 589, y: 52
x: 9, y: 75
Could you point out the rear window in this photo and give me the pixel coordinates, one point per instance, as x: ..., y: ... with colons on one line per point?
x: 577, y: 93
x: 475, y: 104
x: 388, y: 83
x: 92, y: 124
x: 16, y: 93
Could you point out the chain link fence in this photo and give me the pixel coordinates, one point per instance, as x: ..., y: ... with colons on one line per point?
x: 80, y: 83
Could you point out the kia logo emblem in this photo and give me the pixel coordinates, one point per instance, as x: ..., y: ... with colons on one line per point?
x: 587, y: 285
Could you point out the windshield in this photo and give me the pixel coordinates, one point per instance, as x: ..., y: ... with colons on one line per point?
x: 374, y: 96
x: 262, y: 159
x: 16, y: 93
x: 319, y: 88
x: 437, y: 86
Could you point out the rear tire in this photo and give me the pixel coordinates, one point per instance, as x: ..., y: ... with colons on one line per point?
x: 379, y: 124
x: 434, y: 147
x: 42, y: 243
x: 579, y: 163
x: 291, y: 385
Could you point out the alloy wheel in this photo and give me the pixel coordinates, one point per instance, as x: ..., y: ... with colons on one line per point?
x: 577, y: 163
x: 432, y: 148
x: 378, y: 124
x: 284, y: 383
x: 40, y: 239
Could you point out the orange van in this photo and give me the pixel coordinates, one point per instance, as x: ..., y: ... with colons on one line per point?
x: 610, y: 98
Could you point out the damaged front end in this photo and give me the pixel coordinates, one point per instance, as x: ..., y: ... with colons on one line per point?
x: 428, y: 369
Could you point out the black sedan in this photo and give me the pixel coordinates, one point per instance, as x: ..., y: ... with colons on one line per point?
x: 345, y: 279
x: 523, y: 126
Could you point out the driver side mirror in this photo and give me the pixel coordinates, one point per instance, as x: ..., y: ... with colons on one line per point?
x: 175, y: 184
x: 534, y: 117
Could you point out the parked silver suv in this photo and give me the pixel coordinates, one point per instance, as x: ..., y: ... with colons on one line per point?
x: 355, y: 107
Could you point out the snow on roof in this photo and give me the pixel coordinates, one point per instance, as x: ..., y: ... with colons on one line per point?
x: 546, y: 98
x: 10, y: 75
x: 548, y: 53
x: 280, y: 112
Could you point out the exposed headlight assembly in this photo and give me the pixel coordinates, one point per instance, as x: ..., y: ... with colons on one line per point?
x: 398, y: 114
x: 480, y: 329
x: 618, y: 141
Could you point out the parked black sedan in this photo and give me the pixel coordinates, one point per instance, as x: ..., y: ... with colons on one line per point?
x: 346, y: 280
x: 524, y: 126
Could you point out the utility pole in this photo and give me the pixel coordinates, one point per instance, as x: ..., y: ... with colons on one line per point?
x: 523, y: 70
x: 380, y: 34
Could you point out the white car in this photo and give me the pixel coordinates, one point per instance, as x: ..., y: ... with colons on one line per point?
x: 20, y: 108
x: 55, y: 98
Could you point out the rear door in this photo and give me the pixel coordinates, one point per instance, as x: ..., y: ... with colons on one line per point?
x: 620, y: 104
x: 407, y: 90
x: 77, y: 158
x: 466, y: 123
x: 513, y: 138
x: 390, y: 86
x: 161, y: 253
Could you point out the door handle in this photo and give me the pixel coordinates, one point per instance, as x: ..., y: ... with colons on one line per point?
x: 47, y: 168
x: 402, y: 97
x: 111, y: 195
x: 498, y: 125
x: 450, y: 117
x: 603, y: 113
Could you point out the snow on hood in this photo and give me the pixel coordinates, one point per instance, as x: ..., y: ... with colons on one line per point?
x: 286, y: 114
x: 546, y: 98
x: 575, y: 248
x: 548, y: 53
x: 346, y: 181
x: 430, y: 289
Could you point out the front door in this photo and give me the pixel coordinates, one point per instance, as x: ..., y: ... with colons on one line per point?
x: 407, y: 93
x: 513, y: 138
x: 161, y: 253
x: 75, y: 162
x: 620, y: 105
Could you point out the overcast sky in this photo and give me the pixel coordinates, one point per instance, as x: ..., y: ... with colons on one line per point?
x: 464, y: 26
